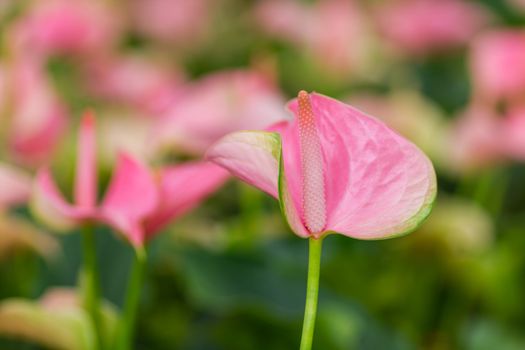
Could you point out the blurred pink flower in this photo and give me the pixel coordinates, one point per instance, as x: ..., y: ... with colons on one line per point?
x: 171, y: 192
x: 37, y: 118
x: 334, y: 170
x: 137, y: 203
x: 333, y: 31
x: 216, y: 105
x: 424, y: 26
x: 135, y: 81
x: 171, y: 21
x: 476, y: 140
x: 483, y: 138
x: 66, y: 27
x: 498, y: 65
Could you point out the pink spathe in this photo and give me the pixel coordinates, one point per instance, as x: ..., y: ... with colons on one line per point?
x: 376, y: 183
x: 138, y: 203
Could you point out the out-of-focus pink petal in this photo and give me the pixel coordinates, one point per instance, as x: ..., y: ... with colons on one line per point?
x: 15, y: 186
x: 50, y: 207
x: 172, y: 21
x: 38, y: 118
x: 377, y: 184
x: 283, y: 18
x: 334, y: 32
x: 182, y: 187
x: 491, y: 55
x: 152, y: 87
x: 425, y: 26
x: 255, y: 157
x: 219, y: 104
x: 477, y: 140
x: 131, y: 197
x: 64, y: 26
x: 86, y: 172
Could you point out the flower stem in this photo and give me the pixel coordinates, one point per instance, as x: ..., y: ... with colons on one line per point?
x: 312, y: 293
x: 129, y: 315
x: 91, y: 282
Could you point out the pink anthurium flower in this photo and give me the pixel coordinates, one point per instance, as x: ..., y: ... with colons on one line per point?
x: 137, y: 203
x: 334, y: 170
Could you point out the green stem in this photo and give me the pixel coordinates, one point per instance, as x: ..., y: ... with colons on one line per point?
x: 129, y: 315
x: 91, y: 282
x: 312, y: 293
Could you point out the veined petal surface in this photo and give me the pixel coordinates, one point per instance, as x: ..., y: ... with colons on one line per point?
x: 378, y: 184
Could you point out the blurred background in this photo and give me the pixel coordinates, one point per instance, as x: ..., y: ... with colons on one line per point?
x: 166, y: 78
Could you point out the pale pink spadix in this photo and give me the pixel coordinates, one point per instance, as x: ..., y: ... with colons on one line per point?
x: 314, y: 206
x: 334, y: 169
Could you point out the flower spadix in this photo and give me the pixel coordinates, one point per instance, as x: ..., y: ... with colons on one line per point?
x: 334, y: 169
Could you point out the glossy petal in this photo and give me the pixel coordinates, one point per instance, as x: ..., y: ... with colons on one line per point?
x: 182, y: 187
x: 131, y: 197
x: 255, y: 157
x: 86, y: 172
x: 378, y: 184
x: 251, y: 156
x: 48, y: 204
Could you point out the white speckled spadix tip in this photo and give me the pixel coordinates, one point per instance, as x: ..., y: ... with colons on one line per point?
x: 314, y: 202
